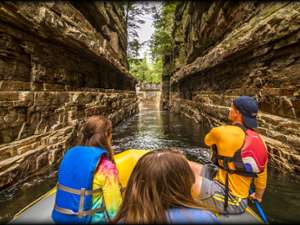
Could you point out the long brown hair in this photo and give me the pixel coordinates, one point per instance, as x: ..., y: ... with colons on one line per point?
x: 96, y: 131
x: 161, y: 179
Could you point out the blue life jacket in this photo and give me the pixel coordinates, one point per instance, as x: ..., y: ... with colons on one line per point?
x: 191, y: 216
x: 73, y: 203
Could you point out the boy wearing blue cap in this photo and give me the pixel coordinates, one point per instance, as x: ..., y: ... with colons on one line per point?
x: 244, y: 111
x: 241, y: 156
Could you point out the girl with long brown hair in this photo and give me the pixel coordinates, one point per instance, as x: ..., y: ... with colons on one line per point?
x: 88, y: 182
x: 159, y: 190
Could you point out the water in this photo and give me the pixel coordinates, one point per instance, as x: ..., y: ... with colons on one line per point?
x: 282, y: 198
x: 152, y: 129
x: 17, y: 197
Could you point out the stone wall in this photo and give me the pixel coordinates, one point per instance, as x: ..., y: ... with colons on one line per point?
x: 224, y: 49
x: 165, y: 82
x: 60, y: 62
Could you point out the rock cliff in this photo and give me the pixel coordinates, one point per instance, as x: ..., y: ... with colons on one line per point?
x: 60, y: 62
x: 224, y: 49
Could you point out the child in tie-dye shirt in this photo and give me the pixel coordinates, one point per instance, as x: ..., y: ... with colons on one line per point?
x: 98, y: 132
x: 77, y: 170
x: 106, y: 178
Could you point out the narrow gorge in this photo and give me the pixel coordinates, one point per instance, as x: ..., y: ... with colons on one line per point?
x: 61, y: 62
x: 224, y: 49
x: 64, y: 61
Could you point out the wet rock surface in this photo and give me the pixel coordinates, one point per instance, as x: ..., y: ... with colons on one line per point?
x: 252, y: 48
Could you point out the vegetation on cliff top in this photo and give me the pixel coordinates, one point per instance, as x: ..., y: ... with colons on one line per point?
x: 160, y: 42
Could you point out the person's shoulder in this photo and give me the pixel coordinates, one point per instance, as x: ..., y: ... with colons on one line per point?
x: 230, y: 129
x: 218, y: 131
x: 224, y: 127
x: 190, y: 215
x: 106, y: 164
x: 204, y: 215
x: 215, y: 130
x: 228, y: 126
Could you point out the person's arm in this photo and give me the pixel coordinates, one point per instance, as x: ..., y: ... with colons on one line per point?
x: 260, y: 183
x: 212, y: 138
x: 196, y: 167
x: 111, y: 189
x: 196, y: 188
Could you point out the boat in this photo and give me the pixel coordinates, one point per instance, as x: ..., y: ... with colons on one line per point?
x: 40, y: 210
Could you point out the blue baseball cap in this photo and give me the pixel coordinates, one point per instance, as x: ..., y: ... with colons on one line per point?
x: 248, y: 107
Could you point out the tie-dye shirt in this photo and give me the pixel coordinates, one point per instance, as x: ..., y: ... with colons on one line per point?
x: 106, y: 177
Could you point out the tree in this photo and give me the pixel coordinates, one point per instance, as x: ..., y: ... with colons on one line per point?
x: 139, y: 68
x: 155, y: 71
x: 162, y: 41
x: 144, y: 71
x: 134, y: 17
x: 134, y: 12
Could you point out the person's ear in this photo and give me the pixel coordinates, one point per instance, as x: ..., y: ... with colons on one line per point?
x: 238, y: 113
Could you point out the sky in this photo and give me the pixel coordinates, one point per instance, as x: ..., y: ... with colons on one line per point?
x: 145, y: 33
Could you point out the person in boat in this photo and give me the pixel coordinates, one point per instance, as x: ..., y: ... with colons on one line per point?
x: 161, y: 190
x: 241, y: 157
x: 88, y: 189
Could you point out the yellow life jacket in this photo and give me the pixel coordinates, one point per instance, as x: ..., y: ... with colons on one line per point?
x: 245, y: 155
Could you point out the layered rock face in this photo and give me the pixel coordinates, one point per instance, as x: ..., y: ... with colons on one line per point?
x: 60, y: 62
x: 165, y: 82
x: 225, y: 49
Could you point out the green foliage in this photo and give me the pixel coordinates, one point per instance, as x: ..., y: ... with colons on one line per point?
x: 144, y: 71
x: 155, y: 71
x: 162, y: 41
x: 134, y: 12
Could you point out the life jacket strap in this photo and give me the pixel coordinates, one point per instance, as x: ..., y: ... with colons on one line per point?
x: 82, y: 193
x: 226, y: 160
x: 226, y: 193
x: 76, y: 191
x: 83, y: 213
x: 241, y: 173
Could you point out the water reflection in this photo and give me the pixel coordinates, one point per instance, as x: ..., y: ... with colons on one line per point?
x: 152, y: 128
